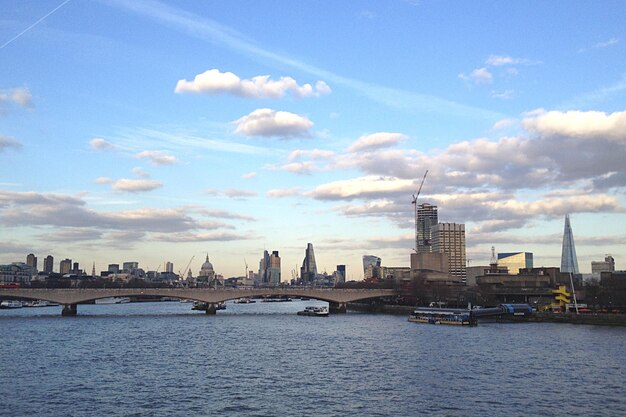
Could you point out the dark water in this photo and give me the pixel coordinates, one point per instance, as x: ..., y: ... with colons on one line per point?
x: 162, y: 359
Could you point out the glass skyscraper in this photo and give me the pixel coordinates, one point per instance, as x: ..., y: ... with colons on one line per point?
x: 427, y: 217
x: 569, y: 262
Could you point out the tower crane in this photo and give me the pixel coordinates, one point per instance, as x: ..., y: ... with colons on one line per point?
x: 186, y: 268
x: 414, y: 202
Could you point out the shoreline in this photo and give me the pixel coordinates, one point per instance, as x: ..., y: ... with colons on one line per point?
x: 596, y: 319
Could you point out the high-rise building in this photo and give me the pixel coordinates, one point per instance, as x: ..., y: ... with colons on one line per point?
x: 264, y: 266
x: 65, y: 266
x: 608, y: 265
x: 130, y: 267
x: 341, y: 271
x: 75, y: 268
x: 169, y: 267
x: 569, y: 261
x: 31, y: 260
x: 48, y: 264
x: 308, y: 271
x: 114, y: 268
x: 515, y: 261
x: 449, y: 238
x: 274, y: 269
x: 427, y: 217
x: 371, y: 264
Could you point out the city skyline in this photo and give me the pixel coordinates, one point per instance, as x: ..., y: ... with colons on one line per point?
x: 157, y: 131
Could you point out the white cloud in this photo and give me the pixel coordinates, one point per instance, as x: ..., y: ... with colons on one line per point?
x: 376, y: 141
x: 310, y: 153
x: 104, y: 180
x: 589, y: 124
x: 19, y: 96
x: 7, y: 142
x: 503, y: 60
x: 235, y: 193
x: 248, y: 175
x: 503, y: 95
x: 268, y: 122
x: 157, y: 158
x: 478, y: 76
x: 284, y: 192
x: 612, y: 41
x: 368, y: 186
x: 100, y: 144
x: 503, y: 124
x: 215, y: 82
x: 135, y: 186
x: 139, y: 172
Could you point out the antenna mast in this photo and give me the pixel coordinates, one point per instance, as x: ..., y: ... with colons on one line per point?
x: 414, y: 202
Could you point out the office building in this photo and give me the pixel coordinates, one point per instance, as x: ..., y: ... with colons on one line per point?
x: 48, y: 264
x: 114, y: 268
x: 371, y: 267
x: 608, y: 265
x: 569, y: 261
x: 31, y: 260
x: 169, y: 267
x: 341, y: 273
x: 65, y: 266
x: 130, y: 267
x: 274, y: 269
x: 449, y: 238
x: 308, y: 271
x: 515, y: 261
x: 427, y: 217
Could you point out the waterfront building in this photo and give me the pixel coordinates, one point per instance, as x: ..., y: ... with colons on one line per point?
x: 17, y: 272
x: 608, y: 265
x: 427, y: 217
x: 65, y: 267
x: 569, y: 262
x: 308, y: 271
x: 449, y: 238
x: 114, y: 268
x: 31, y: 260
x: 515, y: 261
x: 48, y: 264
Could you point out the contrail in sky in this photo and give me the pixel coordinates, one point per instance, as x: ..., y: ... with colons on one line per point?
x: 34, y: 24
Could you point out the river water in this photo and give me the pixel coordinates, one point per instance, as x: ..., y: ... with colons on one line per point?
x: 162, y: 359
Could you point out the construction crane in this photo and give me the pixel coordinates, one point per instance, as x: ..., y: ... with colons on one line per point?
x: 414, y: 202
x: 186, y: 268
x: 246, y: 263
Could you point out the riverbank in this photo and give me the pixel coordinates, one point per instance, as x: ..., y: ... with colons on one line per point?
x: 597, y: 319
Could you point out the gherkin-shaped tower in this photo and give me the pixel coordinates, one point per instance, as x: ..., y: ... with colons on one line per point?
x: 569, y: 262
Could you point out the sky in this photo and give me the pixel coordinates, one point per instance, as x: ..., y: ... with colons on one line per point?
x: 156, y: 131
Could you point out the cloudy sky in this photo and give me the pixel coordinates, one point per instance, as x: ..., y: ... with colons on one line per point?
x: 160, y: 131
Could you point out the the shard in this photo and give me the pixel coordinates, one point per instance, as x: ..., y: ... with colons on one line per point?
x: 569, y: 262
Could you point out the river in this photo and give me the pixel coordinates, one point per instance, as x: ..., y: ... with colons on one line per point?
x: 162, y: 359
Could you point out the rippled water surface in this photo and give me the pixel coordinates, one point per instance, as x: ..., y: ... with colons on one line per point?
x: 162, y: 359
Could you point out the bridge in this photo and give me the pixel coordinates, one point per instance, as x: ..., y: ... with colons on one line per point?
x: 69, y: 298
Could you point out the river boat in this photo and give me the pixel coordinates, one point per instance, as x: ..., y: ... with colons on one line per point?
x: 199, y: 305
x: 39, y: 303
x: 7, y: 304
x: 245, y: 300
x: 450, y: 316
x: 276, y: 300
x: 113, y: 300
x: 314, y: 311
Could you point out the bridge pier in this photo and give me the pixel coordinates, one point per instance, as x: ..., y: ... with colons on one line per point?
x: 69, y: 310
x: 336, y: 308
x: 211, y: 309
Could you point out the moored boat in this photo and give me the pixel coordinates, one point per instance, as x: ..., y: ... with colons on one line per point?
x: 432, y: 315
x: 245, y: 300
x: 113, y: 300
x: 199, y: 305
x: 314, y: 311
x: 6, y: 304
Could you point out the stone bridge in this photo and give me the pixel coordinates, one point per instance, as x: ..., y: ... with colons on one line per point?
x: 69, y: 298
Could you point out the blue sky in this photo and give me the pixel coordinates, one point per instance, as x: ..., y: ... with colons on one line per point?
x: 157, y: 131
